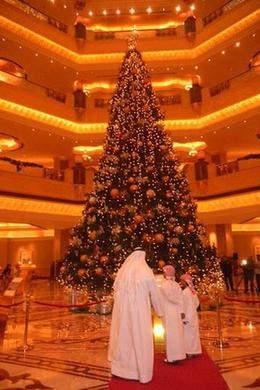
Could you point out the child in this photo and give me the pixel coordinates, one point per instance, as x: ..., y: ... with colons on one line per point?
x: 191, y: 321
x: 172, y: 303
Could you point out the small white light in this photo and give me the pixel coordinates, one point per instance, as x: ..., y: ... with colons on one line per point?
x: 65, y: 6
x: 51, y: 61
x: 20, y: 47
x: 182, y: 68
x: 223, y: 52
x: 118, y: 12
x: 228, y: 127
x: 149, y: 10
x: 104, y: 12
x: 201, y: 137
x: 158, y: 330
x: 192, y: 7
x: 178, y: 8
x: 196, y: 67
x: 243, y: 262
x: 253, y: 35
x: 36, y: 54
x: 237, y: 44
x: 209, y: 59
x: 167, y: 69
x: 244, y: 120
x: 77, y: 73
x: 132, y: 11
x: 64, y: 67
x: 90, y: 13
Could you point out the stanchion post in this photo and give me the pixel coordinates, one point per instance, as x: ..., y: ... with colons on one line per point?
x: 220, y: 343
x: 25, y: 347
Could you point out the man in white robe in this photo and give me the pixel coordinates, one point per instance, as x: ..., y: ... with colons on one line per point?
x: 191, y: 321
x: 172, y: 301
x: 131, y: 349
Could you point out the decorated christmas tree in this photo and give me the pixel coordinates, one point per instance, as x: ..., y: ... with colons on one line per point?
x: 140, y: 194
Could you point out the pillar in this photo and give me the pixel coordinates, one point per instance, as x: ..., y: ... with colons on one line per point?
x: 221, y: 236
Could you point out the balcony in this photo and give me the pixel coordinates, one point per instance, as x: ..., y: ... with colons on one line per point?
x: 100, y: 42
x: 175, y: 102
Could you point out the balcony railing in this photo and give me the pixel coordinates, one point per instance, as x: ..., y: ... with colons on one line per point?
x: 36, y: 13
x: 212, y: 16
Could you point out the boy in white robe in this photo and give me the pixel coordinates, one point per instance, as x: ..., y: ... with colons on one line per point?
x: 131, y: 349
x: 191, y: 321
x: 172, y: 302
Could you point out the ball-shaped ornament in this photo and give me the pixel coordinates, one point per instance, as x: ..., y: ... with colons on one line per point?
x: 131, y: 180
x: 92, y: 200
x: 150, y: 194
x: 133, y: 188
x: 174, y: 251
x: 158, y: 238
x: 138, y: 218
x: 99, y: 271
x: 104, y: 259
x: 115, y: 193
x: 161, y: 264
x: 83, y: 258
x: 178, y: 230
x: 92, y: 235
x: 81, y: 272
x: 191, y: 228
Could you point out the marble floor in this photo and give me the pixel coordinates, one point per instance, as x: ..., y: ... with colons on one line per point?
x: 68, y: 349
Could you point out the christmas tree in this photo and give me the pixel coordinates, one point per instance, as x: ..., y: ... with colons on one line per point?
x: 140, y: 194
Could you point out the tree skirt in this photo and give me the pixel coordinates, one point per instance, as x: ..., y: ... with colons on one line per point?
x: 199, y: 373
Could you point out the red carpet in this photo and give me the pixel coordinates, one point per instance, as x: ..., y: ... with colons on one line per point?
x: 199, y: 373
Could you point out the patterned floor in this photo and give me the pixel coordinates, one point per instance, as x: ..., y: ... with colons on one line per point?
x: 68, y: 349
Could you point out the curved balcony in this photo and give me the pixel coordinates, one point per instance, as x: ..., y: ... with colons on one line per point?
x: 98, y: 42
x: 176, y: 103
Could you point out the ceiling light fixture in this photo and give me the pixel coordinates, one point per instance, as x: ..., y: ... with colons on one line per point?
x: 149, y: 10
x: 90, y: 13
x: 237, y: 44
x: 132, y: 11
x: 192, y: 7
x: 104, y: 12
x: 178, y: 8
x: 118, y: 12
x: 223, y: 52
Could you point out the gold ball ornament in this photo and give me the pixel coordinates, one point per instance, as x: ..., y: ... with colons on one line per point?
x: 83, y: 258
x: 92, y: 235
x: 115, y: 193
x: 166, y: 179
x: 178, y: 230
x: 150, y: 214
x: 171, y: 227
x: 191, y: 228
x: 138, y: 218
x: 173, y: 251
x: 146, y: 238
x: 150, y: 194
x: 104, y: 259
x: 133, y: 188
x: 159, y: 238
x: 99, y: 271
x: 131, y: 179
x: 81, y: 272
x: 161, y: 263
x: 92, y: 200
x: 117, y: 248
x: 62, y: 269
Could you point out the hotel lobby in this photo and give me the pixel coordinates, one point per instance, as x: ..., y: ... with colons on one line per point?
x: 124, y: 122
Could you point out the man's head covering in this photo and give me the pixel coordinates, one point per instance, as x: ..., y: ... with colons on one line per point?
x: 169, y: 271
x: 188, y: 279
x: 134, y: 271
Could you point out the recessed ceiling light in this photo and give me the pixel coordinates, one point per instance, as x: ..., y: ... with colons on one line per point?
x: 214, y: 132
x: 149, y: 10
x: 36, y: 54
x: 167, y: 69
x: 201, y: 136
x: 104, y: 12
x: 64, y: 67
x: 118, y: 12
x: 132, y: 11
x: 244, y: 120
x: 253, y: 35
x: 181, y: 67
x: 237, y: 44
x: 51, y: 61
x: 209, y: 59
x: 20, y: 47
x: 192, y: 7
x: 178, y: 8
x: 3, y: 39
x: 65, y: 6
x: 196, y: 67
x: 33, y: 129
x: 228, y: 127
x: 90, y: 13
x: 223, y: 52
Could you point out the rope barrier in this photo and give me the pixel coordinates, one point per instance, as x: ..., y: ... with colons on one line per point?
x: 66, y: 306
x: 242, y: 300
x: 12, y: 305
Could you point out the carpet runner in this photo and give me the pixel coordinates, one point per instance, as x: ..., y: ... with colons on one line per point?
x: 199, y: 373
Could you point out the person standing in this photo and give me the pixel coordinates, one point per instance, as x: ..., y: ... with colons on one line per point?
x: 227, y: 270
x: 257, y: 274
x: 131, y: 349
x: 172, y: 302
x: 249, y: 273
x: 191, y: 320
